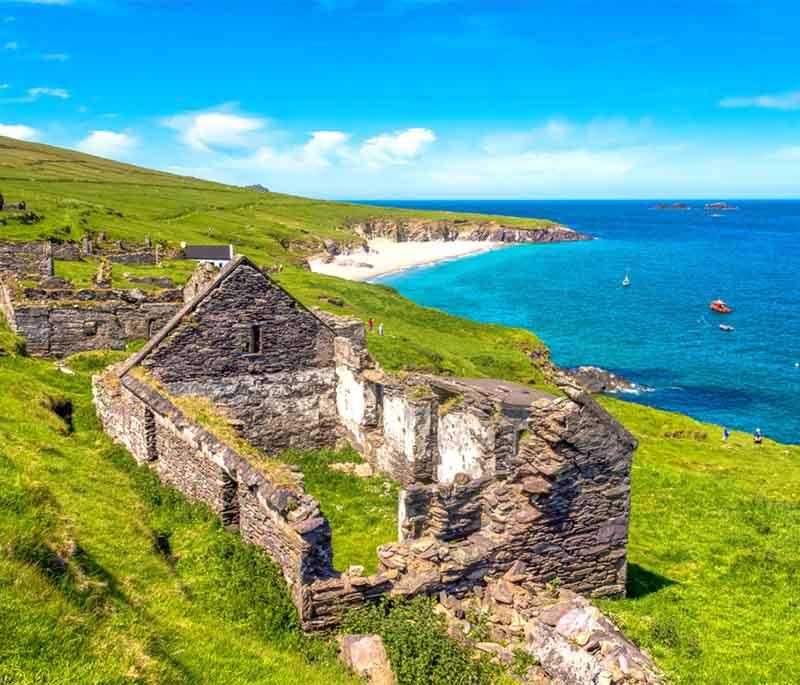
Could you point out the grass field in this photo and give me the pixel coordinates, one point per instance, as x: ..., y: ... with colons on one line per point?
x: 714, y: 551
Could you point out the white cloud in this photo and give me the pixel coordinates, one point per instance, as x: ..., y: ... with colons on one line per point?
x: 400, y: 147
x: 554, y: 131
x: 35, y: 93
x: 3, y: 86
x: 108, y: 143
x: 11, y: 45
x: 323, y: 150
x: 55, y: 57
x: 781, y: 101
x: 18, y: 131
x: 223, y: 129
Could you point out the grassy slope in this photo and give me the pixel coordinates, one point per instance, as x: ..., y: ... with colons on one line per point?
x: 76, y: 192
x: 714, y: 551
x: 108, y: 577
x: 715, y: 529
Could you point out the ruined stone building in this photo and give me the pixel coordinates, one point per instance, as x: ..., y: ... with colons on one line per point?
x: 492, y: 474
x: 57, y: 319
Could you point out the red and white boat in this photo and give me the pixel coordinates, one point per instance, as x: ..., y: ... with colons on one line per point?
x: 720, y: 307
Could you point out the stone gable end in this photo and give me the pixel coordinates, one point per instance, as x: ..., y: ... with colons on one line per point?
x: 247, y: 325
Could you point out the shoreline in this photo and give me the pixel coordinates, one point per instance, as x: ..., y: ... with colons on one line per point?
x: 384, y: 257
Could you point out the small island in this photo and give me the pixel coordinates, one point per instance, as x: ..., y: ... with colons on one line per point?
x: 673, y: 205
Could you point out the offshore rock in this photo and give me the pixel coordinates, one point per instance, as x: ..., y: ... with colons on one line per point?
x: 596, y: 380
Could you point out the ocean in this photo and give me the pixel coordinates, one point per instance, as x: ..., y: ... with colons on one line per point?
x: 659, y: 332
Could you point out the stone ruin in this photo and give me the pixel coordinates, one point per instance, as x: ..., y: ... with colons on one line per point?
x: 57, y: 319
x: 504, y: 489
x: 489, y: 482
x: 27, y: 260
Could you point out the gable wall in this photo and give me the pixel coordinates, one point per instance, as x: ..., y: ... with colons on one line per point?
x: 281, y: 396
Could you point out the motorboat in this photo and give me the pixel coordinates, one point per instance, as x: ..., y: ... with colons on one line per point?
x: 725, y: 327
x: 720, y: 307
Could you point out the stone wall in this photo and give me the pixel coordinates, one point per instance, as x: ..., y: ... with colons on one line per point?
x: 266, y: 504
x: 419, y: 429
x: 26, y: 259
x: 551, y: 488
x: 562, y: 508
x: 62, y: 321
x: 266, y: 361
x: 67, y: 252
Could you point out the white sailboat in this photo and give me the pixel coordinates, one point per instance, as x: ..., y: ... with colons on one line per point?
x: 626, y: 281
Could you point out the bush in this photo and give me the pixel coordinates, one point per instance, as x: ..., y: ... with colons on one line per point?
x: 417, y: 644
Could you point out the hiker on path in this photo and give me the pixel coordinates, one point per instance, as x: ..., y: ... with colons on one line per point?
x: 758, y: 436
x: 370, y: 323
x: 725, y: 433
x: 380, y: 330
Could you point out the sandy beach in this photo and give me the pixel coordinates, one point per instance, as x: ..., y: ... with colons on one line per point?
x: 386, y: 256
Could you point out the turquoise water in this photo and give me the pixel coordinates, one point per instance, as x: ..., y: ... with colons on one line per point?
x: 658, y: 332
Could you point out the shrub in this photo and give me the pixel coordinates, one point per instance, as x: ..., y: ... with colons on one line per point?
x: 417, y: 644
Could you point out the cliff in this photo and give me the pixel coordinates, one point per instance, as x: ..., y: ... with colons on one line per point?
x: 423, y: 230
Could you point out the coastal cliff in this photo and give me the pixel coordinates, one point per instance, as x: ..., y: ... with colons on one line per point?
x: 424, y: 230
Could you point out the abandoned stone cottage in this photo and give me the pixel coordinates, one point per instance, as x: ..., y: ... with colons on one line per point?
x: 491, y: 476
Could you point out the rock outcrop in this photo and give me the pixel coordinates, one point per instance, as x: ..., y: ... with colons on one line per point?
x: 366, y: 656
x: 596, y: 380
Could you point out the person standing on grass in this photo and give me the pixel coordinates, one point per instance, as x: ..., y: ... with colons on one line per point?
x: 380, y: 330
x: 725, y: 433
x: 370, y: 323
x: 758, y: 436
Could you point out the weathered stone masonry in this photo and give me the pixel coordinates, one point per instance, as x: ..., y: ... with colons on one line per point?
x: 26, y: 259
x: 487, y: 482
x: 262, y: 358
x: 282, y: 519
x: 59, y: 321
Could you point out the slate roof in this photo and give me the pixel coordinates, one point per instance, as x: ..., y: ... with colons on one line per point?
x: 211, y: 252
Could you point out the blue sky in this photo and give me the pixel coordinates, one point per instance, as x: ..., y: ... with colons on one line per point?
x: 419, y: 98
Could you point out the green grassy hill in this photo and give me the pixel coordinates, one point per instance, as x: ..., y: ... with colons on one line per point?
x: 76, y: 193
x: 108, y: 578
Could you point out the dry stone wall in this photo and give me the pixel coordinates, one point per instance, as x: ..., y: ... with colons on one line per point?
x: 63, y: 321
x: 562, y: 508
x: 552, y: 489
x: 275, y: 515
